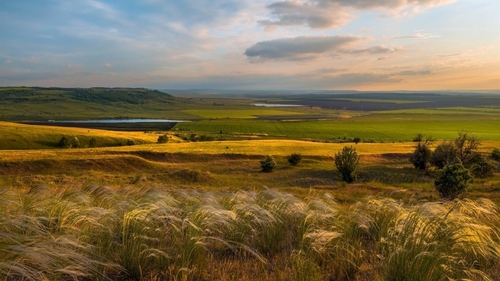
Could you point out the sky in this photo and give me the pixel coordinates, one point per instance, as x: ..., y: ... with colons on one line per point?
x: 383, y: 45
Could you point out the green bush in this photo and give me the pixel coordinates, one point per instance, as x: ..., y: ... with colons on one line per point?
x: 495, y: 154
x: 346, y: 162
x: 422, y: 153
x: 444, y: 154
x: 482, y: 167
x: 163, y: 139
x: 130, y: 142
x: 294, y: 159
x: 453, y: 180
x: 66, y: 142
x: 92, y: 142
x: 267, y: 165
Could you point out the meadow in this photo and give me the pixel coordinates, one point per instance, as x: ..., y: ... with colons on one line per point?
x: 124, y: 207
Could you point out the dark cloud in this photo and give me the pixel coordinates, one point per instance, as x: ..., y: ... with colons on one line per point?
x: 303, y: 47
x: 334, y: 13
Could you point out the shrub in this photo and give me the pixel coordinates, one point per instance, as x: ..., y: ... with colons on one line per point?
x: 130, y: 142
x: 162, y: 139
x: 92, y: 142
x: 453, y: 180
x: 444, y: 154
x: 495, y: 154
x: 64, y: 143
x: 267, y: 165
x: 482, y: 167
x: 356, y: 140
x: 294, y: 159
x: 422, y: 153
x: 346, y: 162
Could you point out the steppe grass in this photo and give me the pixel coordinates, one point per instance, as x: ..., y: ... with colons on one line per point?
x: 100, y: 233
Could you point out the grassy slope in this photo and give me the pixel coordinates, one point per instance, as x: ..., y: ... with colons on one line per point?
x: 19, y: 136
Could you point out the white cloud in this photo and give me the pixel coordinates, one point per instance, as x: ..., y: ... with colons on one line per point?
x: 108, y: 65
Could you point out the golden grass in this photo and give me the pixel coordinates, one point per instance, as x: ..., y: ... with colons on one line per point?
x: 272, y: 147
x: 96, y: 232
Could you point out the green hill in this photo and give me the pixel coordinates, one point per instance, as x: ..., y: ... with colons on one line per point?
x: 35, y: 103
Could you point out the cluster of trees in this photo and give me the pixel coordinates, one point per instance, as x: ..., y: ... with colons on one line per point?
x: 458, y: 162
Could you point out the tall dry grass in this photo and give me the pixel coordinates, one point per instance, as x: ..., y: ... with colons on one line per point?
x: 101, y: 233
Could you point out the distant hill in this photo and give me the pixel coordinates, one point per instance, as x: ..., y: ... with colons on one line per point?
x: 36, y: 103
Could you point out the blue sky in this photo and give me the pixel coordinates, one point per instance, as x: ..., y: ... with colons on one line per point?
x: 243, y: 44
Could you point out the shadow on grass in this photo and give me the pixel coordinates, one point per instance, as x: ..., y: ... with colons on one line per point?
x: 392, y: 175
x: 48, y: 144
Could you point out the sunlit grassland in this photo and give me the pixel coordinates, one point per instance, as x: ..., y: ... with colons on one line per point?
x: 96, y: 232
x: 380, y: 127
x: 19, y: 136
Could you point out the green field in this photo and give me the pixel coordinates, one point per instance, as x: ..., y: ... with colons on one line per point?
x: 239, y: 113
x: 382, y: 127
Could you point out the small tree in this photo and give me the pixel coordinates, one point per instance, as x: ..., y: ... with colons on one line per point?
x: 163, y: 138
x: 467, y: 145
x: 346, y: 162
x: 267, y: 165
x: 356, y: 140
x: 422, y: 153
x: 444, y: 154
x: 453, y: 180
x: 294, y: 159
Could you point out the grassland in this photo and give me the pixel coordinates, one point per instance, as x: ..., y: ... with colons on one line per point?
x: 380, y: 127
x: 188, y: 210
